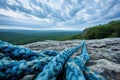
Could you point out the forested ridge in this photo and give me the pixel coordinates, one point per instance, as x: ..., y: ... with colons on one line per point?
x: 110, y: 30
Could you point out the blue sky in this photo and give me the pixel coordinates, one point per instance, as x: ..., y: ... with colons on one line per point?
x: 57, y: 14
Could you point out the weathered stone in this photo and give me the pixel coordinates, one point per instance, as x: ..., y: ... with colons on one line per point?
x: 105, y: 54
x: 108, y: 69
x: 28, y: 77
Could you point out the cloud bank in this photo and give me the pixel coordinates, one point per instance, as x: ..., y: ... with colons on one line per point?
x: 57, y: 14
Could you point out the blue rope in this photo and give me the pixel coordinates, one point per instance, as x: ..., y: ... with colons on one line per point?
x: 17, y: 62
x: 76, y: 69
x: 55, y: 66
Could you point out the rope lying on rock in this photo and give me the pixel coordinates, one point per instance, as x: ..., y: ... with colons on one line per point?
x: 76, y: 69
x: 22, y: 63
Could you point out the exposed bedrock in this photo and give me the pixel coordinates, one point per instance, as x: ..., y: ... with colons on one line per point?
x: 105, y: 54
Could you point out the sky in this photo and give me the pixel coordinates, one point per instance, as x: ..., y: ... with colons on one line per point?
x: 57, y: 14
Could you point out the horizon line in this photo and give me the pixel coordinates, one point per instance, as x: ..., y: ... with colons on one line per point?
x: 42, y: 29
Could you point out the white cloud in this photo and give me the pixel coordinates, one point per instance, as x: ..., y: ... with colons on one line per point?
x: 11, y: 13
x: 26, y: 3
x: 12, y: 2
x: 61, y: 12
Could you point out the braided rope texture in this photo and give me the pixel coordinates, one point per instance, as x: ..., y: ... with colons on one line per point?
x: 20, y: 63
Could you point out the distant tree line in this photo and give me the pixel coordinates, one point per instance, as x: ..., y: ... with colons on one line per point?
x: 23, y: 38
x: 110, y: 30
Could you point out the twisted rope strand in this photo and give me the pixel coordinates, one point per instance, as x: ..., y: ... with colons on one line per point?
x: 18, y: 62
x: 55, y: 66
x: 76, y: 69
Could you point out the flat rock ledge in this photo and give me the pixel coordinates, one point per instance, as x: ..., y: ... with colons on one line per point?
x: 104, y: 53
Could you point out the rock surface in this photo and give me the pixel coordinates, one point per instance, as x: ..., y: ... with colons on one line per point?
x: 105, y: 54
